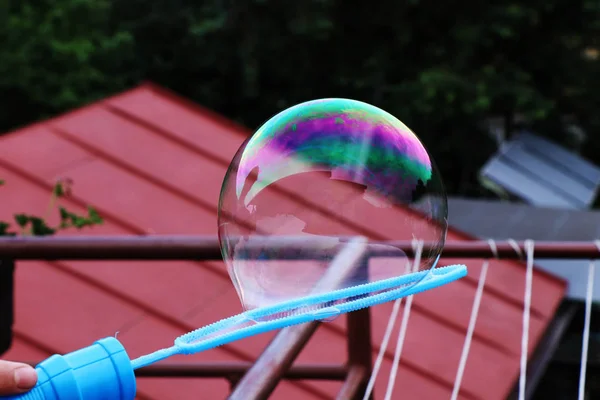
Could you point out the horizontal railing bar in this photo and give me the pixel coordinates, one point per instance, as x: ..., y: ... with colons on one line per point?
x: 320, y: 372
x: 174, y: 247
x: 111, y: 248
x: 216, y: 370
x: 333, y: 372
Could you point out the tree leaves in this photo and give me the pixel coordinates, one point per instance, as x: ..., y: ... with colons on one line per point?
x: 440, y: 68
x: 57, y: 55
x: 69, y: 219
x: 33, y: 225
x: 4, y: 227
x: 62, y: 188
x: 37, y: 226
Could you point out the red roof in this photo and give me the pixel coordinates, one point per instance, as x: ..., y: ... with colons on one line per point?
x: 152, y: 162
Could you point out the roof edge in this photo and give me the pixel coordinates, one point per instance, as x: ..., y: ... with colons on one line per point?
x: 193, y: 106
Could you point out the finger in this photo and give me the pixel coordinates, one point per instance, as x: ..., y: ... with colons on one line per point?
x: 16, y: 377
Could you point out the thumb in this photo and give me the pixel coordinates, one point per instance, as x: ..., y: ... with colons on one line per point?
x: 16, y: 377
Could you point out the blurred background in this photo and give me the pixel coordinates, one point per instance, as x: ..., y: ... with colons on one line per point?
x: 502, y: 94
x: 461, y: 75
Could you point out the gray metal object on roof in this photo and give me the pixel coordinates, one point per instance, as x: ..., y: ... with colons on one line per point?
x: 506, y: 220
x: 500, y: 220
x: 542, y: 173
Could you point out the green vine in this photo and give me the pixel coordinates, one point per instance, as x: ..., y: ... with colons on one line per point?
x: 32, y: 225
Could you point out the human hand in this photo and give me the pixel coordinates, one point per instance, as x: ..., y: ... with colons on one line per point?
x: 16, y: 377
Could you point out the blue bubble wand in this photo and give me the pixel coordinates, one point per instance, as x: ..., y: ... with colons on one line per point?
x: 104, y: 371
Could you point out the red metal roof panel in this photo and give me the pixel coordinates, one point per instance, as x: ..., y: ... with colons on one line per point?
x: 153, y: 163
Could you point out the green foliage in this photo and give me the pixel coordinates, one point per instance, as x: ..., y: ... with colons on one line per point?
x: 37, y: 226
x: 441, y: 67
x: 56, y: 55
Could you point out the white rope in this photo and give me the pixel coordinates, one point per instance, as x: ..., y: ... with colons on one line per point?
x: 586, y: 327
x: 472, y: 322
x: 515, y: 247
x: 529, y: 249
x: 384, y: 344
x: 418, y: 249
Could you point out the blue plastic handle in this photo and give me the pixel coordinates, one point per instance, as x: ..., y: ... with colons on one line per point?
x: 101, y: 371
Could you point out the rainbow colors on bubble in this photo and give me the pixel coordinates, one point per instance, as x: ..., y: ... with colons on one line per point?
x: 355, y: 141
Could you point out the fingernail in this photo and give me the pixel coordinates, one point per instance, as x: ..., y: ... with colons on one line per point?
x: 25, y: 377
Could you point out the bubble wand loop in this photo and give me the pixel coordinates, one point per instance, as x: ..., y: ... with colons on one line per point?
x: 310, y: 308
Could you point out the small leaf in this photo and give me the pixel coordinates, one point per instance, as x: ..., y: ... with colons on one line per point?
x: 62, y: 188
x: 94, y: 216
x: 4, y: 228
x: 22, y: 219
x: 2, y: 182
x: 77, y: 222
x: 81, y: 222
x: 40, y: 228
x: 64, y: 214
x: 59, y: 190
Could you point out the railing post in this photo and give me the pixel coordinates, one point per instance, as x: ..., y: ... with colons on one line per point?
x: 358, y: 325
x: 264, y: 375
x: 7, y: 271
x: 359, y: 346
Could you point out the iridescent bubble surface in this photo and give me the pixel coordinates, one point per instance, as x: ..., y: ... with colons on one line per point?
x: 308, y: 196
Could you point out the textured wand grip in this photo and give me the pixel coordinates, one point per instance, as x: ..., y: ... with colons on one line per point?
x: 37, y: 393
x: 101, y: 371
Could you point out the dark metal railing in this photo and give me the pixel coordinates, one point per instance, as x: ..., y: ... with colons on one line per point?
x: 248, y: 381
x: 207, y: 248
x: 258, y: 380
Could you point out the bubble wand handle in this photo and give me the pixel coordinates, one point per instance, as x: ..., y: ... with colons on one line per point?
x: 98, y: 372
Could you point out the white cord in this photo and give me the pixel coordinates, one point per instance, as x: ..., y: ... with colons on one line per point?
x: 384, y: 344
x: 529, y: 249
x: 471, y: 328
x: 586, y: 327
x: 418, y: 249
x: 515, y: 247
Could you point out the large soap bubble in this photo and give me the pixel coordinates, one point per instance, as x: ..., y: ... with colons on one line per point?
x: 323, y: 178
